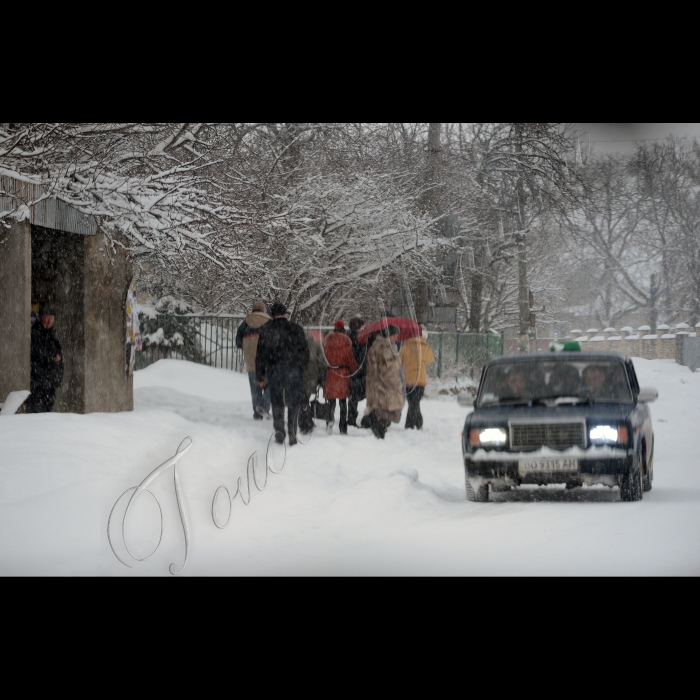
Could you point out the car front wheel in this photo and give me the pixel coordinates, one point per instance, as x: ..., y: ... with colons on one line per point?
x: 648, y: 467
x: 631, y: 487
x: 480, y: 494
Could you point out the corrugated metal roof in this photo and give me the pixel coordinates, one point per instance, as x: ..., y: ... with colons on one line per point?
x: 50, y: 212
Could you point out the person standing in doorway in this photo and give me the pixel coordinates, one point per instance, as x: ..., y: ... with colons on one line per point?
x: 46, y: 362
x: 341, y: 364
x: 247, y: 340
x: 415, y: 355
x: 280, y: 364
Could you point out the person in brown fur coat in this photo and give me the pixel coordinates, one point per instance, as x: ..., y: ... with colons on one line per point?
x: 385, y: 388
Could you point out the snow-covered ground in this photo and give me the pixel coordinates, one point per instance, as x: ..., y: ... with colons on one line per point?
x: 341, y: 505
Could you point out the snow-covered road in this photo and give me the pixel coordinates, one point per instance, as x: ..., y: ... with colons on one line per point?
x: 342, y: 505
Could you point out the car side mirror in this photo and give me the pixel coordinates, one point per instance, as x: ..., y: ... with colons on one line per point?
x: 465, y: 399
x: 647, y: 395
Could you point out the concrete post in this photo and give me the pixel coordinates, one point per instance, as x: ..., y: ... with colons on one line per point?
x: 15, y: 307
x: 107, y: 277
x: 679, y: 348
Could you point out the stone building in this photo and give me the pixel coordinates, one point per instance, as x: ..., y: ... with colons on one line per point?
x: 51, y: 253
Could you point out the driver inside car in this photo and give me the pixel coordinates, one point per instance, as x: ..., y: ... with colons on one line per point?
x: 515, y: 383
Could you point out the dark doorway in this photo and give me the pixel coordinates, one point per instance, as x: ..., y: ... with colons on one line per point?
x: 58, y: 278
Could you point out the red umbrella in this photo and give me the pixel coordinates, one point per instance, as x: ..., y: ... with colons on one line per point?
x: 407, y: 328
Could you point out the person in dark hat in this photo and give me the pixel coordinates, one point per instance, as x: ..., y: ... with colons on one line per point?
x: 46, y: 362
x: 357, y: 380
x: 280, y: 363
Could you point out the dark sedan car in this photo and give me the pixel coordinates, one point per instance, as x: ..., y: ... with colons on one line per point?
x: 562, y: 417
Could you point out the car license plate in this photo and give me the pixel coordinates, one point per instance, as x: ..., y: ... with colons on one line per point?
x: 547, y: 465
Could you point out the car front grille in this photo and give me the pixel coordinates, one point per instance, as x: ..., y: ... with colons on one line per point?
x: 558, y: 436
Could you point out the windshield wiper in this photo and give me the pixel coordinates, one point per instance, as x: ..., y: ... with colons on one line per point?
x: 572, y: 398
x: 521, y: 401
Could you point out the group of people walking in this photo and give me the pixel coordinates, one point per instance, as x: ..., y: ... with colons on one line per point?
x: 287, y: 366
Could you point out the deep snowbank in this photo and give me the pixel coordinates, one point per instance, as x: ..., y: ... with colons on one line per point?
x: 342, y: 505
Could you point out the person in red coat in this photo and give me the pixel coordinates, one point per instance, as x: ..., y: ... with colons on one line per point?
x: 341, y: 364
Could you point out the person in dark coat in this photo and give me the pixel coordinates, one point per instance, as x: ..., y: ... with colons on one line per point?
x: 247, y: 340
x: 280, y: 363
x: 341, y: 364
x: 46, y: 362
x: 359, y: 376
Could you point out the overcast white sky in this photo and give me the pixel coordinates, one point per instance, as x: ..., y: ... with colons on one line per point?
x: 622, y: 138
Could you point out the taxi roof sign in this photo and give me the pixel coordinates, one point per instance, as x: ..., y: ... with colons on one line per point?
x: 566, y: 346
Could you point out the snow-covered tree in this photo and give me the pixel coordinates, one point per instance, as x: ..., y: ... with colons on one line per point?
x: 606, y: 240
x: 154, y: 187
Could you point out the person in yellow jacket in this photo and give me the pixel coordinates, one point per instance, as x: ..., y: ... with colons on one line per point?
x: 415, y: 355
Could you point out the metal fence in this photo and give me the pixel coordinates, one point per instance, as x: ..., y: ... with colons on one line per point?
x: 210, y: 340
x: 207, y: 340
x: 462, y: 354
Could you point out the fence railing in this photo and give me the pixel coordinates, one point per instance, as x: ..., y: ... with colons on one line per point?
x: 211, y: 340
x: 207, y: 340
x: 459, y: 354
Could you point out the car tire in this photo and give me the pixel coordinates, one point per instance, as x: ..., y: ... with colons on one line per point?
x: 479, y: 495
x: 646, y: 481
x: 631, y: 483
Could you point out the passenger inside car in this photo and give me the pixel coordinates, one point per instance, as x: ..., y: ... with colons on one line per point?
x: 523, y: 381
x: 594, y: 383
x: 617, y: 382
x: 564, y: 380
x: 515, y: 383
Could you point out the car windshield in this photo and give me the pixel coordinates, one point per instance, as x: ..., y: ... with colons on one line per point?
x: 560, y: 380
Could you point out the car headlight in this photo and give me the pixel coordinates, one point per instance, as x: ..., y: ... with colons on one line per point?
x: 608, y: 435
x: 487, y: 437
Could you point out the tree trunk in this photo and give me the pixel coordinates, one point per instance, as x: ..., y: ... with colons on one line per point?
x: 695, y: 306
x: 420, y: 302
x: 523, y: 287
x: 433, y: 170
x: 432, y: 203
x: 653, y: 311
x: 477, y: 289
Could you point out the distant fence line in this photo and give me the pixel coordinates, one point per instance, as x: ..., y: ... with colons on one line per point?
x: 211, y: 340
x: 662, y: 345
x: 681, y: 346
